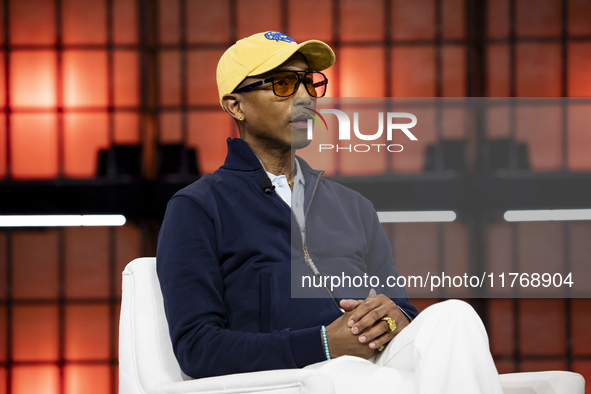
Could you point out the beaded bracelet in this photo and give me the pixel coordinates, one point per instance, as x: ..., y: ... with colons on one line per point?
x: 325, y: 343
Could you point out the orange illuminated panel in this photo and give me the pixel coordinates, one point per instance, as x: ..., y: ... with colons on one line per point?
x: 250, y: 20
x: 32, y: 78
x: 453, y: 122
x: 32, y: 22
x: 540, y: 247
x: 543, y: 365
x: 534, y: 314
x: 331, y: 88
x: 497, y: 18
x: 170, y: 128
x: 169, y: 17
x: 505, y: 366
x: 208, y: 21
x: 539, y: 126
x: 360, y: 78
x: 413, y: 72
x: 169, y: 66
x: 412, y: 20
x: 362, y: 20
x: 453, y: 19
x: 533, y: 19
x: 207, y: 133
x: 310, y: 18
x: 35, y: 269
x: 127, y: 128
x: 499, y: 251
x: 498, y: 121
x: 84, y: 22
x: 115, y: 313
x: 412, y: 159
x: 579, y: 15
x: 497, y: 78
x: 2, y: 80
x: 201, y: 69
x: 87, y: 332
x: 87, y: 262
x: 584, y: 368
x: 579, y: 252
x: 35, y: 333
x: 128, y: 247
x: 579, y: 64
x: 3, y: 330
x: 538, y: 70
x: 35, y: 379
x: 455, y: 253
x: 3, y: 262
x: 85, y: 78
x: 500, y: 327
x: 84, y: 134
x: 454, y: 71
x: 581, y: 321
x: 3, y: 378
x: 1, y: 35
x: 33, y: 145
x: 3, y: 148
x: 125, y: 21
x: 126, y: 78
x: 115, y: 373
x: 579, y: 138
x: 87, y: 379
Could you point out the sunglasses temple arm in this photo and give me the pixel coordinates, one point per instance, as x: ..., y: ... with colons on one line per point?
x: 253, y: 85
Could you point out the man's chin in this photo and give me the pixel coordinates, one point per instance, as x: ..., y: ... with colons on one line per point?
x: 299, y: 144
x: 299, y: 138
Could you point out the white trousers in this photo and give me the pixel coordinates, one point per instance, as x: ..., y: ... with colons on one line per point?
x: 444, y: 350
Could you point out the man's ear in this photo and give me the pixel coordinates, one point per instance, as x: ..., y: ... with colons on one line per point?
x: 231, y: 103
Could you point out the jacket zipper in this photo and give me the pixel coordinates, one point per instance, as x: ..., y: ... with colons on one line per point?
x: 307, y: 257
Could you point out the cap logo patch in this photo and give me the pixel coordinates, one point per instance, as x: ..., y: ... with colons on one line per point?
x: 277, y: 36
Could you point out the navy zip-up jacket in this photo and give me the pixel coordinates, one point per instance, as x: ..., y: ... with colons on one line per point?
x: 224, y: 265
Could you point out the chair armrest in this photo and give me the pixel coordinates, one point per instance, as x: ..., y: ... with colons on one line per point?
x: 268, y: 382
x: 549, y: 382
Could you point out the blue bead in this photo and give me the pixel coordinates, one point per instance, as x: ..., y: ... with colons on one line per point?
x: 325, y: 343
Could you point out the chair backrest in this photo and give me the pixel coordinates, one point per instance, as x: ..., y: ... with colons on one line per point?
x: 145, y: 351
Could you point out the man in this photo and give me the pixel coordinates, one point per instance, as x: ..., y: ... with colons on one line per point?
x: 225, y: 248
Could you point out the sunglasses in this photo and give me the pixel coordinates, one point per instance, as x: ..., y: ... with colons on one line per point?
x: 286, y: 83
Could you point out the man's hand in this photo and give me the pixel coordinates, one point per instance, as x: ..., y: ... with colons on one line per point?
x: 349, y: 305
x: 365, y: 319
x: 342, y: 342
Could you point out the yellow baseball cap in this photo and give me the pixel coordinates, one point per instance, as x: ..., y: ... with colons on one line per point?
x: 263, y: 52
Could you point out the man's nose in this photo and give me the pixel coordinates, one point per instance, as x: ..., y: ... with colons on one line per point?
x: 303, y: 97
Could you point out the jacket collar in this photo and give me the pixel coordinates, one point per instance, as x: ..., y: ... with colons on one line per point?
x: 242, y: 158
x: 310, y: 174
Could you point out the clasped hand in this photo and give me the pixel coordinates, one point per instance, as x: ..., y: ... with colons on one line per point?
x: 361, y: 330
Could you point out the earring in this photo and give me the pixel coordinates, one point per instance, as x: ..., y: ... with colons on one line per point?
x: 241, y: 118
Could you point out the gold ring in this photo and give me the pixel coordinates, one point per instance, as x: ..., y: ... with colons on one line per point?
x: 381, y: 348
x: 391, y: 323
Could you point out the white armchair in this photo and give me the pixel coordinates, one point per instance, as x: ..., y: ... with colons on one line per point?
x: 147, y: 364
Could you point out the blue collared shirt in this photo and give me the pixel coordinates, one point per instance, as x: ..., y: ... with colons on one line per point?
x: 294, y: 199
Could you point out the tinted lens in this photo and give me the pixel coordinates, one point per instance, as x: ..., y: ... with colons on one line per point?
x: 284, y: 83
x: 310, y: 85
x: 319, y: 83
